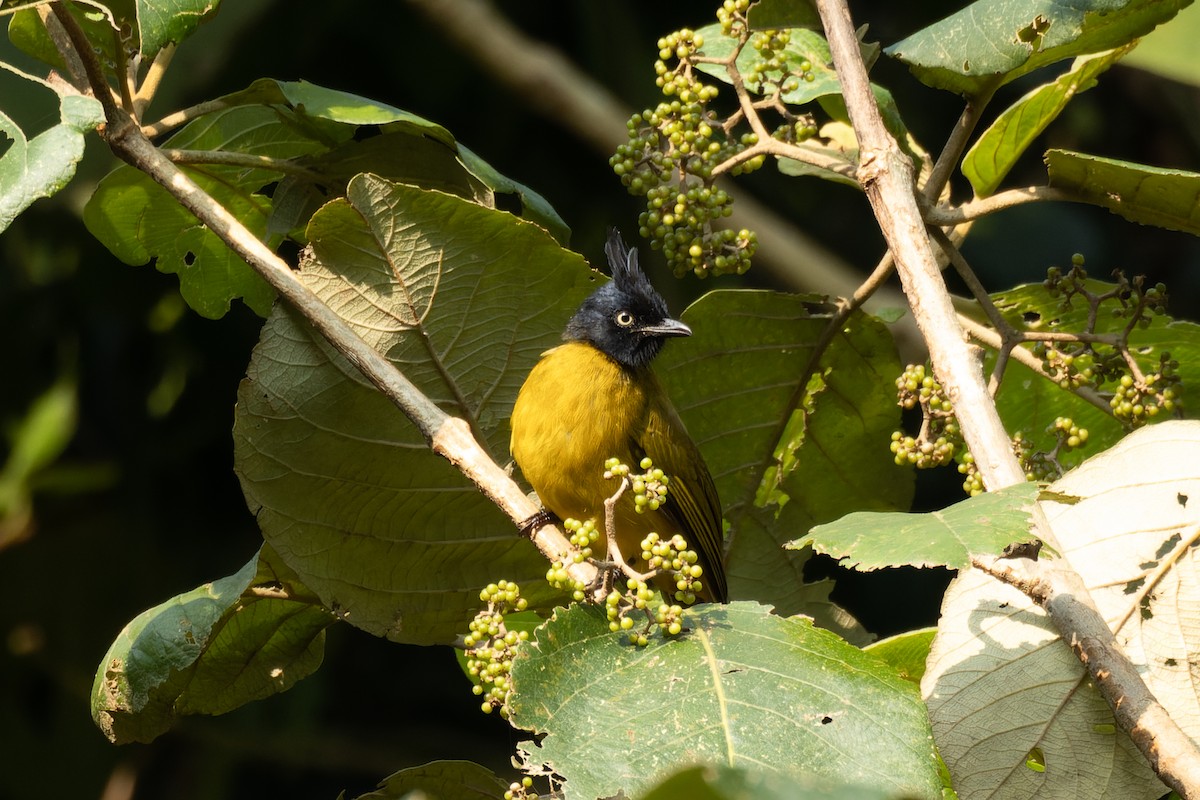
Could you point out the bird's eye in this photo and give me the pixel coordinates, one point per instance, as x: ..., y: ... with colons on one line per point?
x: 624, y: 319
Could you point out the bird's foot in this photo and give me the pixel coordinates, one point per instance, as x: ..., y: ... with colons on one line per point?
x: 540, y: 519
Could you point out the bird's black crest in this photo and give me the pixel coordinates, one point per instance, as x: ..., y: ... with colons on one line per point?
x: 626, y: 272
x: 636, y: 342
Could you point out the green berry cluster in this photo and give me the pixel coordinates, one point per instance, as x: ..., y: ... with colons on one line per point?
x: 521, y: 791
x: 732, y: 16
x: 558, y: 577
x: 669, y: 159
x: 637, y: 597
x: 583, y: 535
x: 1044, y: 466
x: 674, y: 556
x: 1137, y: 400
x: 490, y: 646
x: 939, y: 440
x: 1097, y: 361
x: 972, y: 479
x: 649, y: 487
x: 771, y: 72
x: 1135, y: 301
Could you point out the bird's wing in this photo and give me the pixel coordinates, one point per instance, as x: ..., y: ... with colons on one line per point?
x: 692, y: 502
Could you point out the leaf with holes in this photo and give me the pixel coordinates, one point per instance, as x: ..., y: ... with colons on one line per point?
x: 985, y: 524
x: 992, y: 42
x: 741, y: 687
x: 1168, y: 198
x: 1013, y: 711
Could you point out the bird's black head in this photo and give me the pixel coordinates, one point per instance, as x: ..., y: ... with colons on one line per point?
x: 625, y: 319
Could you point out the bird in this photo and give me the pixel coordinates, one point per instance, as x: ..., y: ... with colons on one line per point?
x: 594, y: 397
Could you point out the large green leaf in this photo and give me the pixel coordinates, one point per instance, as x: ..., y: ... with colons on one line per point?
x: 992, y: 42
x: 407, y: 151
x: 209, y: 651
x: 463, y: 299
x: 1168, y: 198
x: 138, y: 220
x: 998, y: 148
x: 1018, y: 694
x: 787, y: 452
x: 985, y: 524
x: 31, y: 169
x: 314, y: 136
x: 741, y: 687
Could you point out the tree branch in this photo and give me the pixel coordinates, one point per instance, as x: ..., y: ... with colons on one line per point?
x: 886, y: 175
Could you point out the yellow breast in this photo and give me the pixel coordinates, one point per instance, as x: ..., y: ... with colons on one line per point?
x: 577, y: 408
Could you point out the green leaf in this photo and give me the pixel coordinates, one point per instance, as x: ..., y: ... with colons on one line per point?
x: 407, y: 150
x: 980, y: 525
x: 1170, y: 50
x: 138, y: 220
x: 1030, y: 403
x: 209, y: 651
x: 998, y: 148
x: 31, y: 169
x: 786, y: 451
x: 443, y: 780
x: 741, y: 687
x: 905, y: 652
x: 719, y: 782
x: 992, y: 42
x: 162, y: 22
x: 999, y: 697
x: 333, y: 105
x: 463, y: 299
x: 28, y: 34
x: 1167, y: 198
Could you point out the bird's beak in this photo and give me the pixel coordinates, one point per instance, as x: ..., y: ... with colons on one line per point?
x: 668, y: 327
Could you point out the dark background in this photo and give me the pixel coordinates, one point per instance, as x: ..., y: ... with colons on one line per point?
x: 144, y: 505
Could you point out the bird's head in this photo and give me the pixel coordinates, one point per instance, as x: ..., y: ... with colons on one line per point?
x: 626, y: 318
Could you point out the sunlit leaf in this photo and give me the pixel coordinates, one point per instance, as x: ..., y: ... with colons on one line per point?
x: 992, y: 42
x: 995, y: 699
x: 1168, y: 198
x: 741, y: 687
x: 997, y: 149
x: 982, y: 525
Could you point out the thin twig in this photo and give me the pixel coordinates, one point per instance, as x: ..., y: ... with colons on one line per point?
x: 154, y: 75
x: 941, y: 216
x: 62, y: 43
x: 230, y: 159
x: 177, y: 118
x: 613, y: 554
x: 956, y: 143
x: 991, y: 338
